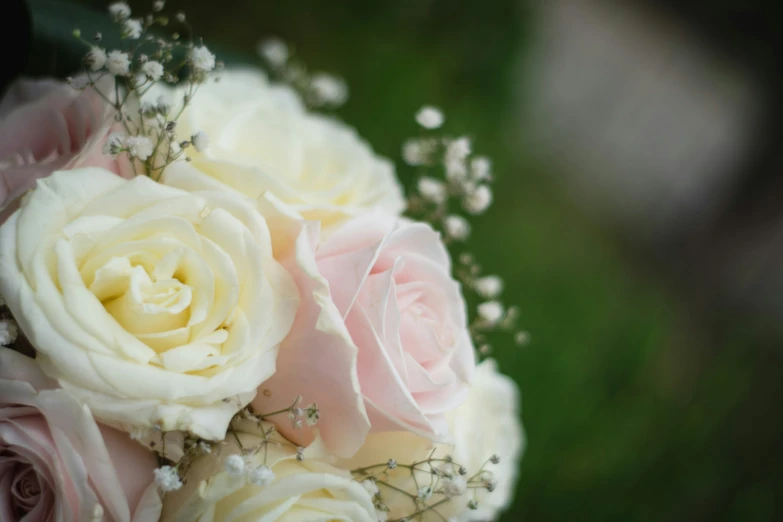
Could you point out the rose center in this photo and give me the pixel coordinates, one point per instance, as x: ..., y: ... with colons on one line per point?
x: 142, y: 302
x: 25, y: 489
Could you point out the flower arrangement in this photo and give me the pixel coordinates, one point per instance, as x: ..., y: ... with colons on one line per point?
x: 214, y: 309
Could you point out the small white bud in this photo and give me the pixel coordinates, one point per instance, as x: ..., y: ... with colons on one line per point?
x: 429, y: 117
x: 118, y: 63
x: 119, y: 11
x: 495, y: 459
x: 489, y: 286
x: 456, y: 227
x: 382, y: 516
x: 180, y: 17
x: 491, y: 311
x: 96, y: 58
x: 432, y: 189
x: 481, y: 168
x: 158, y: 5
x: 478, y: 201
x: 205, y: 447
x: 200, y: 141
x: 273, y: 50
x: 261, y: 476
x: 370, y: 486
x: 328, y: 90
x: 391, y: 464
x: 167, y: 479
x: 424, y: 493
x: 234, y: 465
x: 153, y: 70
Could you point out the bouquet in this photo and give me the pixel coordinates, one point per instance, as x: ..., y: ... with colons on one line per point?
x: 214, y: 308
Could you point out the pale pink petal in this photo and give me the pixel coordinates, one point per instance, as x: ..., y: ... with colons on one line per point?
x: 317, y: 361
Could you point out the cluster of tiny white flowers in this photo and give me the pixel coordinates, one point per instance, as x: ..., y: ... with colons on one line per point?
x: 453, y: 185
x: 241, y: 467
x: 319, y: 90
x: 148, y: 137
x: 167, y: 478
x: 435, y: 481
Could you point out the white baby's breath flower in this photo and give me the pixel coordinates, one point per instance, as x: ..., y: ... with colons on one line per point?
x: 234, y: 465
x: 200, y: 141
x: 458, y: 149
x: 424, y: 493
x: 119, y: 11
x: 413, y: 153
x: 491, y: 311
x: 202, y: 59
x: 96, y: 58
x: 481, y: 168
x: 153, y: 70
x: 478, y: 201
x: 163, y: 103
x: 432, y: 189
x: 8, y: 332
x: 261, y: 476
x: 328, y: 89
x: 489, y: 286
x: 429, y: 117
x: 456, y: 227
x: 118, y: 63
x: 273, y: 50
x: 383, y: 516
x: 370, y: 486
x: 454, y: 486
x: 167, y: 479
x: 140, y: 147
x: 158, y: 5
x: 114, y: 144
x: 132, y: 29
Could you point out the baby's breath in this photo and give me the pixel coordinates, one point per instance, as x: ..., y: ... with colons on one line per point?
x: 124, y: 76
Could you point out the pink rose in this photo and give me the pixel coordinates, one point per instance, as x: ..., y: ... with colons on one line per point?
x: 57, y: 464
x: 391, y: 289
x: 45, y: 126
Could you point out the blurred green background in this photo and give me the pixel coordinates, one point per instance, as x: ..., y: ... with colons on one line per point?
x: 640, y: 402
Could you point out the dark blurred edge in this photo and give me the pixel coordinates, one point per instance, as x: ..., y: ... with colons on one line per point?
x: 53, y: 50
x: 16, y: 42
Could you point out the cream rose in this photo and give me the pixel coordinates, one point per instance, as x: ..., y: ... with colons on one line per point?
x: 154, y: 306
x: 261, y: 138
x: 486, y: 424
x: 269, y: 483
x: 488, y: 443
x: 390, y: 281
x: 57, y: 464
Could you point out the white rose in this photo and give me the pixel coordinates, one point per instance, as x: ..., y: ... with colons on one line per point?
x: 263, y: 139
x: 488, y: 424
x: 268, y: 484
x: 154, y: 306
x: 485, y: 425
